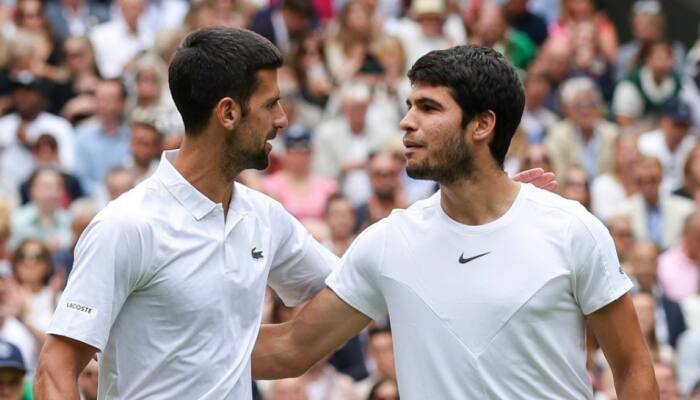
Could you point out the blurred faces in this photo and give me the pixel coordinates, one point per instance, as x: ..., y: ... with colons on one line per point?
x: 30, y: 15
x: 648, y: 177
x: 626, y: 153
x: 47, y: 191
x: 109, y: 100
x: 576, y: 186
x: 288, y: 389
x: 647, y: 27
x: 381, y: 352
x: 579, y: 9
x: 536, y: 157
x: 146, y: 144
x: 28, y: 102
x: 32, y: 263
x: 537, y: 88
x: 79, y: 56
x: 492, y: 25
x: 358, y: 20
x: 355, y: 111
x: 148, y: 86
x: 644, y: 263
x: 118, y: 182
x: 340, y: 218
x: 621, y: 231
x: 666, y: 378
x: 384, y: 171
x: 11, y: 384
x: 585, y: 110
x: 131, y: 11
x: 691, y: 238
x: 674, y: 132
x: 660, y: 60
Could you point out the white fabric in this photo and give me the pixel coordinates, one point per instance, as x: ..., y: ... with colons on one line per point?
x: 172, y: 293
x: 14, y: 332
x: 627, y: 101
x: 507, y: 325
x: 16, y: 161
x: 111, y: 59
x: 607, y: 196
x: 654, y: 144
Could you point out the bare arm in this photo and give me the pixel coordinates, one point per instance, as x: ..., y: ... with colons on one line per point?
x: 61, y: 361
x: 617, y: 330
x: 321, y: 327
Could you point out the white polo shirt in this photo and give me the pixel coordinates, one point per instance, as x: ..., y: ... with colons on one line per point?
x: 172, y: 294
x: 494, y: 311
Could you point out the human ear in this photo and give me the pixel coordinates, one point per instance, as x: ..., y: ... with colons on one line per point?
x: 228, y: 113
x: 483, y: 125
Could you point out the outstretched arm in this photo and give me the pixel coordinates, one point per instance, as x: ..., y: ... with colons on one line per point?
x: 321, y: 327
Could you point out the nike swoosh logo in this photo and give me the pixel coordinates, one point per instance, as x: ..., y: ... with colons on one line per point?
x: 463, y: 260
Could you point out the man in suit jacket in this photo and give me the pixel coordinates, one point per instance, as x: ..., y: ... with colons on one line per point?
x: 656, y: 216
x: 284, y: 24
x: 584, y: 138
x: 75, y: 17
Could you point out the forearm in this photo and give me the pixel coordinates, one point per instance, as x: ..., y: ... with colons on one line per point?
x: 275, y: 356
x: 636, y: 383
x: 55, y: 382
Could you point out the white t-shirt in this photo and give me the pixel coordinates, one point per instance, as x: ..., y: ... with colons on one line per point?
x: 494, y: 311
x: 172, y: 294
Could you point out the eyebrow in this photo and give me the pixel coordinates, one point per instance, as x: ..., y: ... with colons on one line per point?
x: 425, y: 101
x: 274, y: 99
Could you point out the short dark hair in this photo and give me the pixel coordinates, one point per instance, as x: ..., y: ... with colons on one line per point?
x: 479, y: 79
x: 300, y: 7
x: 213, y: 63
x: 122, y: 87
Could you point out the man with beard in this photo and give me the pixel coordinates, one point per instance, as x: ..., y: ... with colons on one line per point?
x: 489, y: 284
x: 169, y: 279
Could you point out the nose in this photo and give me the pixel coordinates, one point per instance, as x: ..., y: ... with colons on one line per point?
x: 281, y: 120
x: 407, y: 122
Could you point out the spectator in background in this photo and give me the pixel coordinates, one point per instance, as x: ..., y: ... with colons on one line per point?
x: 584, y: 138
x: 129, y: 30
x: 11, y: 329
x: 118, y: 181
x: 309, y: 63
x: 146, y: 146
x: 535, y: 156
x: 82, y: 211
x: 656, y: 216
x: 5, y: 218
x: 302, y: 193
x: 671, y: 143
x: 342, y: 144
x: 640, y: 98
x: 102, y: 143
x: 74, y: 18
x: 648, y: 25
x: 691, y: 176
x: 643, y: 266
x: 537, y: 118
x: 554, y: 59
x: 620, y: 227
x: 87, y: 381
x: 74, y: 96
x: 19, y: 130
x: 610, y: 190
x: 576, y: 186
x: 286, y: 24
x: 151, y: 97
x: 645, y: 305
x: 384, y: 170
x: 38, y: 286
x: 679, y: 266
x: 341, y: 221
x: 386, y: 389
x: 520, y: 18
x: 492, y: 30
x: 47, y: 56
x: 588, y: 58
x: 580, y: 11
x: 13, y: 384
x: 380, y: 357
x: 44, y: 217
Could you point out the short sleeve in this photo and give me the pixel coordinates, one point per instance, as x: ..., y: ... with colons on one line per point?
x: 598, y: 278
x: 357, y: 280
x: 301, y: 264
x: 109, y: 265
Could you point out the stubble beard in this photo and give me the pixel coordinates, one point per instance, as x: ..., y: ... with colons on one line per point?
x: 452, y: 162
x: 235, y: 159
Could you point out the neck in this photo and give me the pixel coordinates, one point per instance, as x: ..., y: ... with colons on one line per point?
x: 33, y: 287
x: 110, y: 125
x: 200, y: 166
x: 480, y: 199
x: 690, y: 252
x: 672, y: 143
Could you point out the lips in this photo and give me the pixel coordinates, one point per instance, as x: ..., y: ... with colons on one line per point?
x: 410, y: 144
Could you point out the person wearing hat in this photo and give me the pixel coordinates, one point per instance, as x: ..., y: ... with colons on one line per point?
x: 12, y: 372
x: 302, y: 193
x: 671, y: 142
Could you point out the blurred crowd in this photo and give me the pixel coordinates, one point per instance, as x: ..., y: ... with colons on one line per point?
x: 85, y: 113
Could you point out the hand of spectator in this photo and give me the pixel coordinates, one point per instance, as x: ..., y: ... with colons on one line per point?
x: 538, y: 177
x: 81, y: 105
x: 57, y: 281
x: 352, y: 165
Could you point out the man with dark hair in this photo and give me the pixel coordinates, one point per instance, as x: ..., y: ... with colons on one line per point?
x: 489, y: 284
x: 285, y: 24
x: 169, y: 279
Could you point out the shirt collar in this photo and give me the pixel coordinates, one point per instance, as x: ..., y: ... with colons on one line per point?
x: 194, y: 201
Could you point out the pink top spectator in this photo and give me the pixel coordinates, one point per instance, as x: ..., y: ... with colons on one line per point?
x: 309, y: 205
x: 678, y: 274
